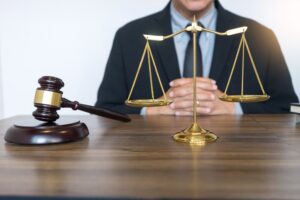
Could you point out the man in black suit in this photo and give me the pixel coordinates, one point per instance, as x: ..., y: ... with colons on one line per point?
x: 129, y: 43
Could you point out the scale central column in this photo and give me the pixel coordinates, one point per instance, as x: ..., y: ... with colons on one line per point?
x: 195, y: 135
x: 194, y: 75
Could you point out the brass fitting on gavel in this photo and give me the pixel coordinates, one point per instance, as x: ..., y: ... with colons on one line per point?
x: 48, y: 99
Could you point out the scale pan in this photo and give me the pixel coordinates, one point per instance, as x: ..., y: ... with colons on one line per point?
x: 148, y: 102
x: 244, y: 98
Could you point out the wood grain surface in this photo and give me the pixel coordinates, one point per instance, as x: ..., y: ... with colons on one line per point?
x: 255, y: 157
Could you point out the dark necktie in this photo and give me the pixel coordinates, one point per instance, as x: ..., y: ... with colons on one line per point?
x: 188, y: 60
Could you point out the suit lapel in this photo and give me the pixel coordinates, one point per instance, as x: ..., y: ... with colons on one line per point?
x: 166, y: 49
x: 222, y: 43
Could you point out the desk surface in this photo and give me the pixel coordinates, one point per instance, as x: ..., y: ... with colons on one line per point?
x: 255, y: 157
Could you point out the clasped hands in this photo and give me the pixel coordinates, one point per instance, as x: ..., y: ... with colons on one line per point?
x: 181, y: 93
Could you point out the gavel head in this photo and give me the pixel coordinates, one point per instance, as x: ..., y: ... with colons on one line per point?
x: 48, y: 98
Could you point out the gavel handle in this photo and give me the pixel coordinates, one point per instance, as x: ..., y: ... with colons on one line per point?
x: 97, y: 111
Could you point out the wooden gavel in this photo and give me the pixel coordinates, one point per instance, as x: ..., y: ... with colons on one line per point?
x: 48, y: 99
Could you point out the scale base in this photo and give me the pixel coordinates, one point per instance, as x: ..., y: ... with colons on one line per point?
x: 195, y: 135
x: 244, y: 98
x: 33, y: 132
x: 148, y: 102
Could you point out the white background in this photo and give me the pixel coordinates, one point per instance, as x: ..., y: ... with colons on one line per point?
x: 71, y: 39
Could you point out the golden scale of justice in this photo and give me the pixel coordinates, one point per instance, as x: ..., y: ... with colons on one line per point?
x: 195, y: 134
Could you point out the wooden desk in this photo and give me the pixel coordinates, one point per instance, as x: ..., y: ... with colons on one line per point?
x: 255, y: 157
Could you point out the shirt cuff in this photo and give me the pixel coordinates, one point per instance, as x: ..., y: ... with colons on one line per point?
x: 143, y: 111
x: 238, y: 109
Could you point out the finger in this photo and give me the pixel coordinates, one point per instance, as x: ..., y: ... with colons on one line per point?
x: 205, y: 104
x: 202, y: 104
x: 205, y: 79
x: 183, y: 81
x: 181, y: 104
x: 183, y: 113
x: 188, y: 92
x: 164, y: 110
x: 188, y: 104
x: 200, y: 97
x: 180, y: 92
x: 180, y: 81
x: 188, y: 88
x: 204, y: 86
x: 199, y: 110
x: 167, y: 111
x: 167, y: 94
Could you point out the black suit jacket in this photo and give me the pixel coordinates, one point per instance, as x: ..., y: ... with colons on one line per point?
x: 129, y: 43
